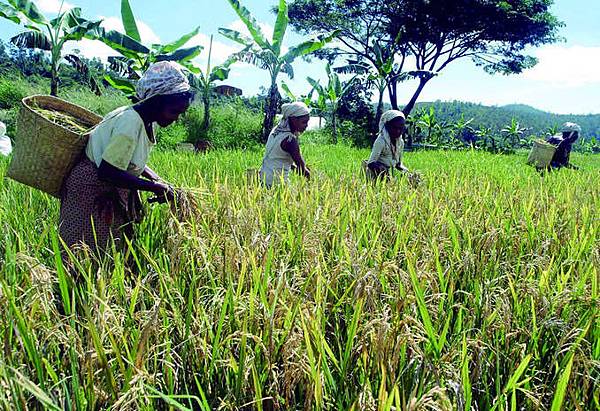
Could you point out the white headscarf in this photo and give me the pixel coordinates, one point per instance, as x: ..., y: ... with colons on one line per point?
x: 386, y: 118
x: 296, y: 109
x: 570, y: 128
x: 162, y: 78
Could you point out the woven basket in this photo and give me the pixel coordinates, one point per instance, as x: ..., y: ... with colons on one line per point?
x: 45, y: 151
x: 541, y: 154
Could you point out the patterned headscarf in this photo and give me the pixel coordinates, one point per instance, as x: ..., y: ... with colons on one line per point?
x: 162, y: 78
x: 296, y: 109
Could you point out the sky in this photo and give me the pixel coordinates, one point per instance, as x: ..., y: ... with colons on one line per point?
x: 565, y: 81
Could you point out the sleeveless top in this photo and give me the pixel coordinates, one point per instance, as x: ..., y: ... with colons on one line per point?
x: 276, y: 162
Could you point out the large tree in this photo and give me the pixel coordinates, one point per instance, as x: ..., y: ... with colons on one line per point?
x: 494, y: 34
x: 425, y: 36
x: 363, y: 40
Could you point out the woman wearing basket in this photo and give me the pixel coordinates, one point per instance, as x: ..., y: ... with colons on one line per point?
x: 564, y: 144
x: 99, y: 198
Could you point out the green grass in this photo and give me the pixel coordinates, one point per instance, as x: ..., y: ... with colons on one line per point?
x: 476, y: 290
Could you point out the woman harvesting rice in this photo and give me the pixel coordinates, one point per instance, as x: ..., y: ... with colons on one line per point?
x: 564, y: 145
x: 282, y: 152
x: 386, y: 153
x: 99, y: 199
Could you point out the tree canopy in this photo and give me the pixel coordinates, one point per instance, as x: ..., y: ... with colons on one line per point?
x: 425, y: 36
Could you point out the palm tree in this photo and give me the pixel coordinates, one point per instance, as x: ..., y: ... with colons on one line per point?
x: 268, y: 54
x: 49, y: 35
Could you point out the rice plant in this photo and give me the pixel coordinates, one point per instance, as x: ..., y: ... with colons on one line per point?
x: 478, y: 290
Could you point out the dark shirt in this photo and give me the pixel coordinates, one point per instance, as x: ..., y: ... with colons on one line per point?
x: 563, y: 151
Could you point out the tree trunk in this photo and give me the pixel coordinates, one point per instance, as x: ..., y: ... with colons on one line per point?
x: 379, y: 112
x: 393, y: 94
x: 334, y: 127
x: 206, y: 121
x: 270, y: 111
x: 411, y: 104
x: 54, y: 81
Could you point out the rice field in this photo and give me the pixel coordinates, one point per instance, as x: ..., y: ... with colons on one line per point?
x: 476, y: 290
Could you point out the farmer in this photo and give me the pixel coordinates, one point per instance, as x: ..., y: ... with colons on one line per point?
x: 99, y: 198
x: 386, y: 153
x: 282, y: 152
x: 564, y: 144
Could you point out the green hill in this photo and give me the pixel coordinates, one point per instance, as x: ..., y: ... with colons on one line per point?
x: 536, y: 121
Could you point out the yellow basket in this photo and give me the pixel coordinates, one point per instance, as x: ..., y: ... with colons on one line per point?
x: 541, y: 154
x: 45, y: 151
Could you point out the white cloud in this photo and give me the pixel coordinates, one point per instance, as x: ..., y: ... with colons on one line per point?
x: 239, y: 25
x: 566, y: 67
x: 53, y: 6
x: 114, y: 23
x: 91, y: 48
x: 220, y: 51
x: 266, y: 29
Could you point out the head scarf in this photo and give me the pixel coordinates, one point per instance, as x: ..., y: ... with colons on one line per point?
x: 296, y: 109
x: 162, y: 78
x: 571, y: 128
x: 386, y: 118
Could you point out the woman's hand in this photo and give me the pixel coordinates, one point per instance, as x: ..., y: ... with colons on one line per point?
x: 402, y: 168
x: 164, y: 193
x: 306, y: 172
x: 150, y: 174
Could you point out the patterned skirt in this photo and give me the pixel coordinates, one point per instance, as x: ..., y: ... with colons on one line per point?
x: 94, y: 212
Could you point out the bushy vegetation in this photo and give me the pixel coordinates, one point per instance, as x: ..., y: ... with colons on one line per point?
x: 476, y: 290
x: 236, y: 122
x: 534, y: 122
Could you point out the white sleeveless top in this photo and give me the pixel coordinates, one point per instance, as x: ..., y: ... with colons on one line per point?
x: 277, y: 162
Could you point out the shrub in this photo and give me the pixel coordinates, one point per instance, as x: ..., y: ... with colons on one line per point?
x: 11, y: 94
x: 232, y: 124
x: 9, y: 117
x: 168, y: 137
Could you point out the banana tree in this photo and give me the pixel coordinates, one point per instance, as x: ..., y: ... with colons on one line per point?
x: 513, y: 133
x: 306, y: 99
x: 460, y: 129
x: 332, y: 94
x: 205, y: 82
x: 135, y: 57
x: 435, y: 128
x: 49, y: 34
x: 268, y: 55
x: 318, y: 106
